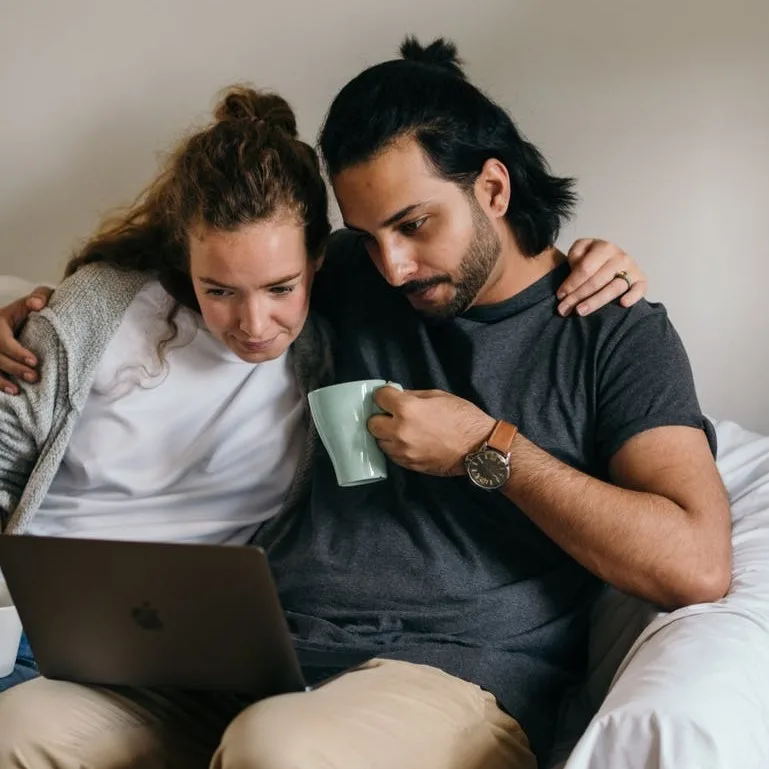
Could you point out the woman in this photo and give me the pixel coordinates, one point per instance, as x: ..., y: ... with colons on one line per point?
x: 170, y: 406
x: 159, y: 327
x: 176, y: 356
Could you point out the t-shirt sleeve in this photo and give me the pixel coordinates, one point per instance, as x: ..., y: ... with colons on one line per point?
x: 645, y: 381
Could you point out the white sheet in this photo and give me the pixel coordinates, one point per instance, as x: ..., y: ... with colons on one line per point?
x: 693, y: 691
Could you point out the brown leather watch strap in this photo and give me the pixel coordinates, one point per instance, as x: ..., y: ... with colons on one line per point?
x: 502, y: 437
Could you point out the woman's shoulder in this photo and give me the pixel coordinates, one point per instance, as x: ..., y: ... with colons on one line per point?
x: 97, y: 290
x: 84, y: 312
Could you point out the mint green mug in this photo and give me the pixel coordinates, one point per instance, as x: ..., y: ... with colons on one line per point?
x: 340, y: 413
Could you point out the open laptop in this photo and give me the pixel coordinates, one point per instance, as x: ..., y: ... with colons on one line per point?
x: 203, y: 617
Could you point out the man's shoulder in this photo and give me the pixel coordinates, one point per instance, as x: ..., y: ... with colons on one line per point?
x: 347, y: 277
x: 615, y: 315
x: 346, y: 255
x: 644, y: 377
x: 608, y: 326
x: 343, y: 242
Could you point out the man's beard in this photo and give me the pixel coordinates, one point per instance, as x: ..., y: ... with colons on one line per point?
x: 478, y: 261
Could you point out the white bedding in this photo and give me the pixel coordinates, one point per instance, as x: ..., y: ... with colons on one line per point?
x: 693, y: 691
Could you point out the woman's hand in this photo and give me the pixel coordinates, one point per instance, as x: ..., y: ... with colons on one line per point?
x: 16, y: 361
x: 600, y: 273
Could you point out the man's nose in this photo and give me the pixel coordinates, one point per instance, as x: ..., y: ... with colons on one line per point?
x: 397, y: 263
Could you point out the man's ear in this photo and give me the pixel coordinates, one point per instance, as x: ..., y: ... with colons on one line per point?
x: 493, y: 188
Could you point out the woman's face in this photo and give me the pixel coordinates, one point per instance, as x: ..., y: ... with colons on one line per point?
x: 253, y: 285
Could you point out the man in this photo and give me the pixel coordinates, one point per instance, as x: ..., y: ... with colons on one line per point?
x: 535, y: 456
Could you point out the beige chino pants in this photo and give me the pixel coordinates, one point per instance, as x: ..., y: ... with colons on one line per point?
x: 383, y: 715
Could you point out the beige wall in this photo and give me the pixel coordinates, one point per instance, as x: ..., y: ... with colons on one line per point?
x: 661, y: 108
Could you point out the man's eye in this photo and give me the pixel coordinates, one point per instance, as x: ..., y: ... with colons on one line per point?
x: 409, y: 228
x: 217, y: 292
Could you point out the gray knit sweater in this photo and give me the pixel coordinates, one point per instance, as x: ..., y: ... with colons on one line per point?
x: 70, y: 337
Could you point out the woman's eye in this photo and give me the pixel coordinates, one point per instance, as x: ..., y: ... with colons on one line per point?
x: 282, y: 290
x: 217, y: 292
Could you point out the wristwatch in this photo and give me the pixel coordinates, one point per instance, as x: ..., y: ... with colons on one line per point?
x: 489, y: 466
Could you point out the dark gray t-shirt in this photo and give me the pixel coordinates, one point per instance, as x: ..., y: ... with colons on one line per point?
x: 434, y: 570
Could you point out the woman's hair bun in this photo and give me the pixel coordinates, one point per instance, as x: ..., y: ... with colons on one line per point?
x: 243, y: 103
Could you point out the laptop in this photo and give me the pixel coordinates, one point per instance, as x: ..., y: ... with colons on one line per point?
x: 200, y: 617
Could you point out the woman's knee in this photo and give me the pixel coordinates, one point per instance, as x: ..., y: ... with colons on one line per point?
x: 48, y: 724
x: 19, y: 721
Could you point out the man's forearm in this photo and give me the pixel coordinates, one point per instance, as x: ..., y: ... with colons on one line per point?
x: 641, y: 543
x: 667, y: 539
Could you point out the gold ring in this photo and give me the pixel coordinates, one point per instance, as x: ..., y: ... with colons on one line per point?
x: 624, y: 276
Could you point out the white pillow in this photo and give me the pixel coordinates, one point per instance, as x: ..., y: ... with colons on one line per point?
x: 694, y: 689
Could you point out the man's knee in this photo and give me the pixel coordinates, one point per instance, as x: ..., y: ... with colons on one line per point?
x: 384, y: 714
x: 278, y: 733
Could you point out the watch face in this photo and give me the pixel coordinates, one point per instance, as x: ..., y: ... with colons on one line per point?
x: 488, y: 469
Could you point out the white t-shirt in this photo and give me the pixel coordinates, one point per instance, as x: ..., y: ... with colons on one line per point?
x: 201, y: 448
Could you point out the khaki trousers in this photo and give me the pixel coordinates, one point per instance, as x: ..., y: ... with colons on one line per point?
x: 383, y: 715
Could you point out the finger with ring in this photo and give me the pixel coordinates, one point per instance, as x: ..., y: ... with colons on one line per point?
x: 623, y: 275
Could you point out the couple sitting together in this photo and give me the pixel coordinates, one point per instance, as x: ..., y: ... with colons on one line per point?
x: 161, y: 395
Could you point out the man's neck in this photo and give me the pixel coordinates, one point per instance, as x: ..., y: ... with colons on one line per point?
x: 516, y: 272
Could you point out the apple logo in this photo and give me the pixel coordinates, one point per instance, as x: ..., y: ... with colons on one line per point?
x: 146, y: 617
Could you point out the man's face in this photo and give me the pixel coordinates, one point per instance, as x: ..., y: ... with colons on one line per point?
x: 428, y: 237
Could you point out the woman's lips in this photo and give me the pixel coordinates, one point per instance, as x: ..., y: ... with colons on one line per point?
x: 252, y: 346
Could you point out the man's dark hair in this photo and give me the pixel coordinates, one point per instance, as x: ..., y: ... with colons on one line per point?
x: 426, y: 95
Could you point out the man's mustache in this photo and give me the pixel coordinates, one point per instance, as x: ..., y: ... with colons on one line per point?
x: 417, y: 286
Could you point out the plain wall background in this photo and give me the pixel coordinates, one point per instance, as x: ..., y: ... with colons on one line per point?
x: 660, y: 108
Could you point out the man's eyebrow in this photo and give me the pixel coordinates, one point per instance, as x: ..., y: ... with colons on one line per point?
x: 394, y: 219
